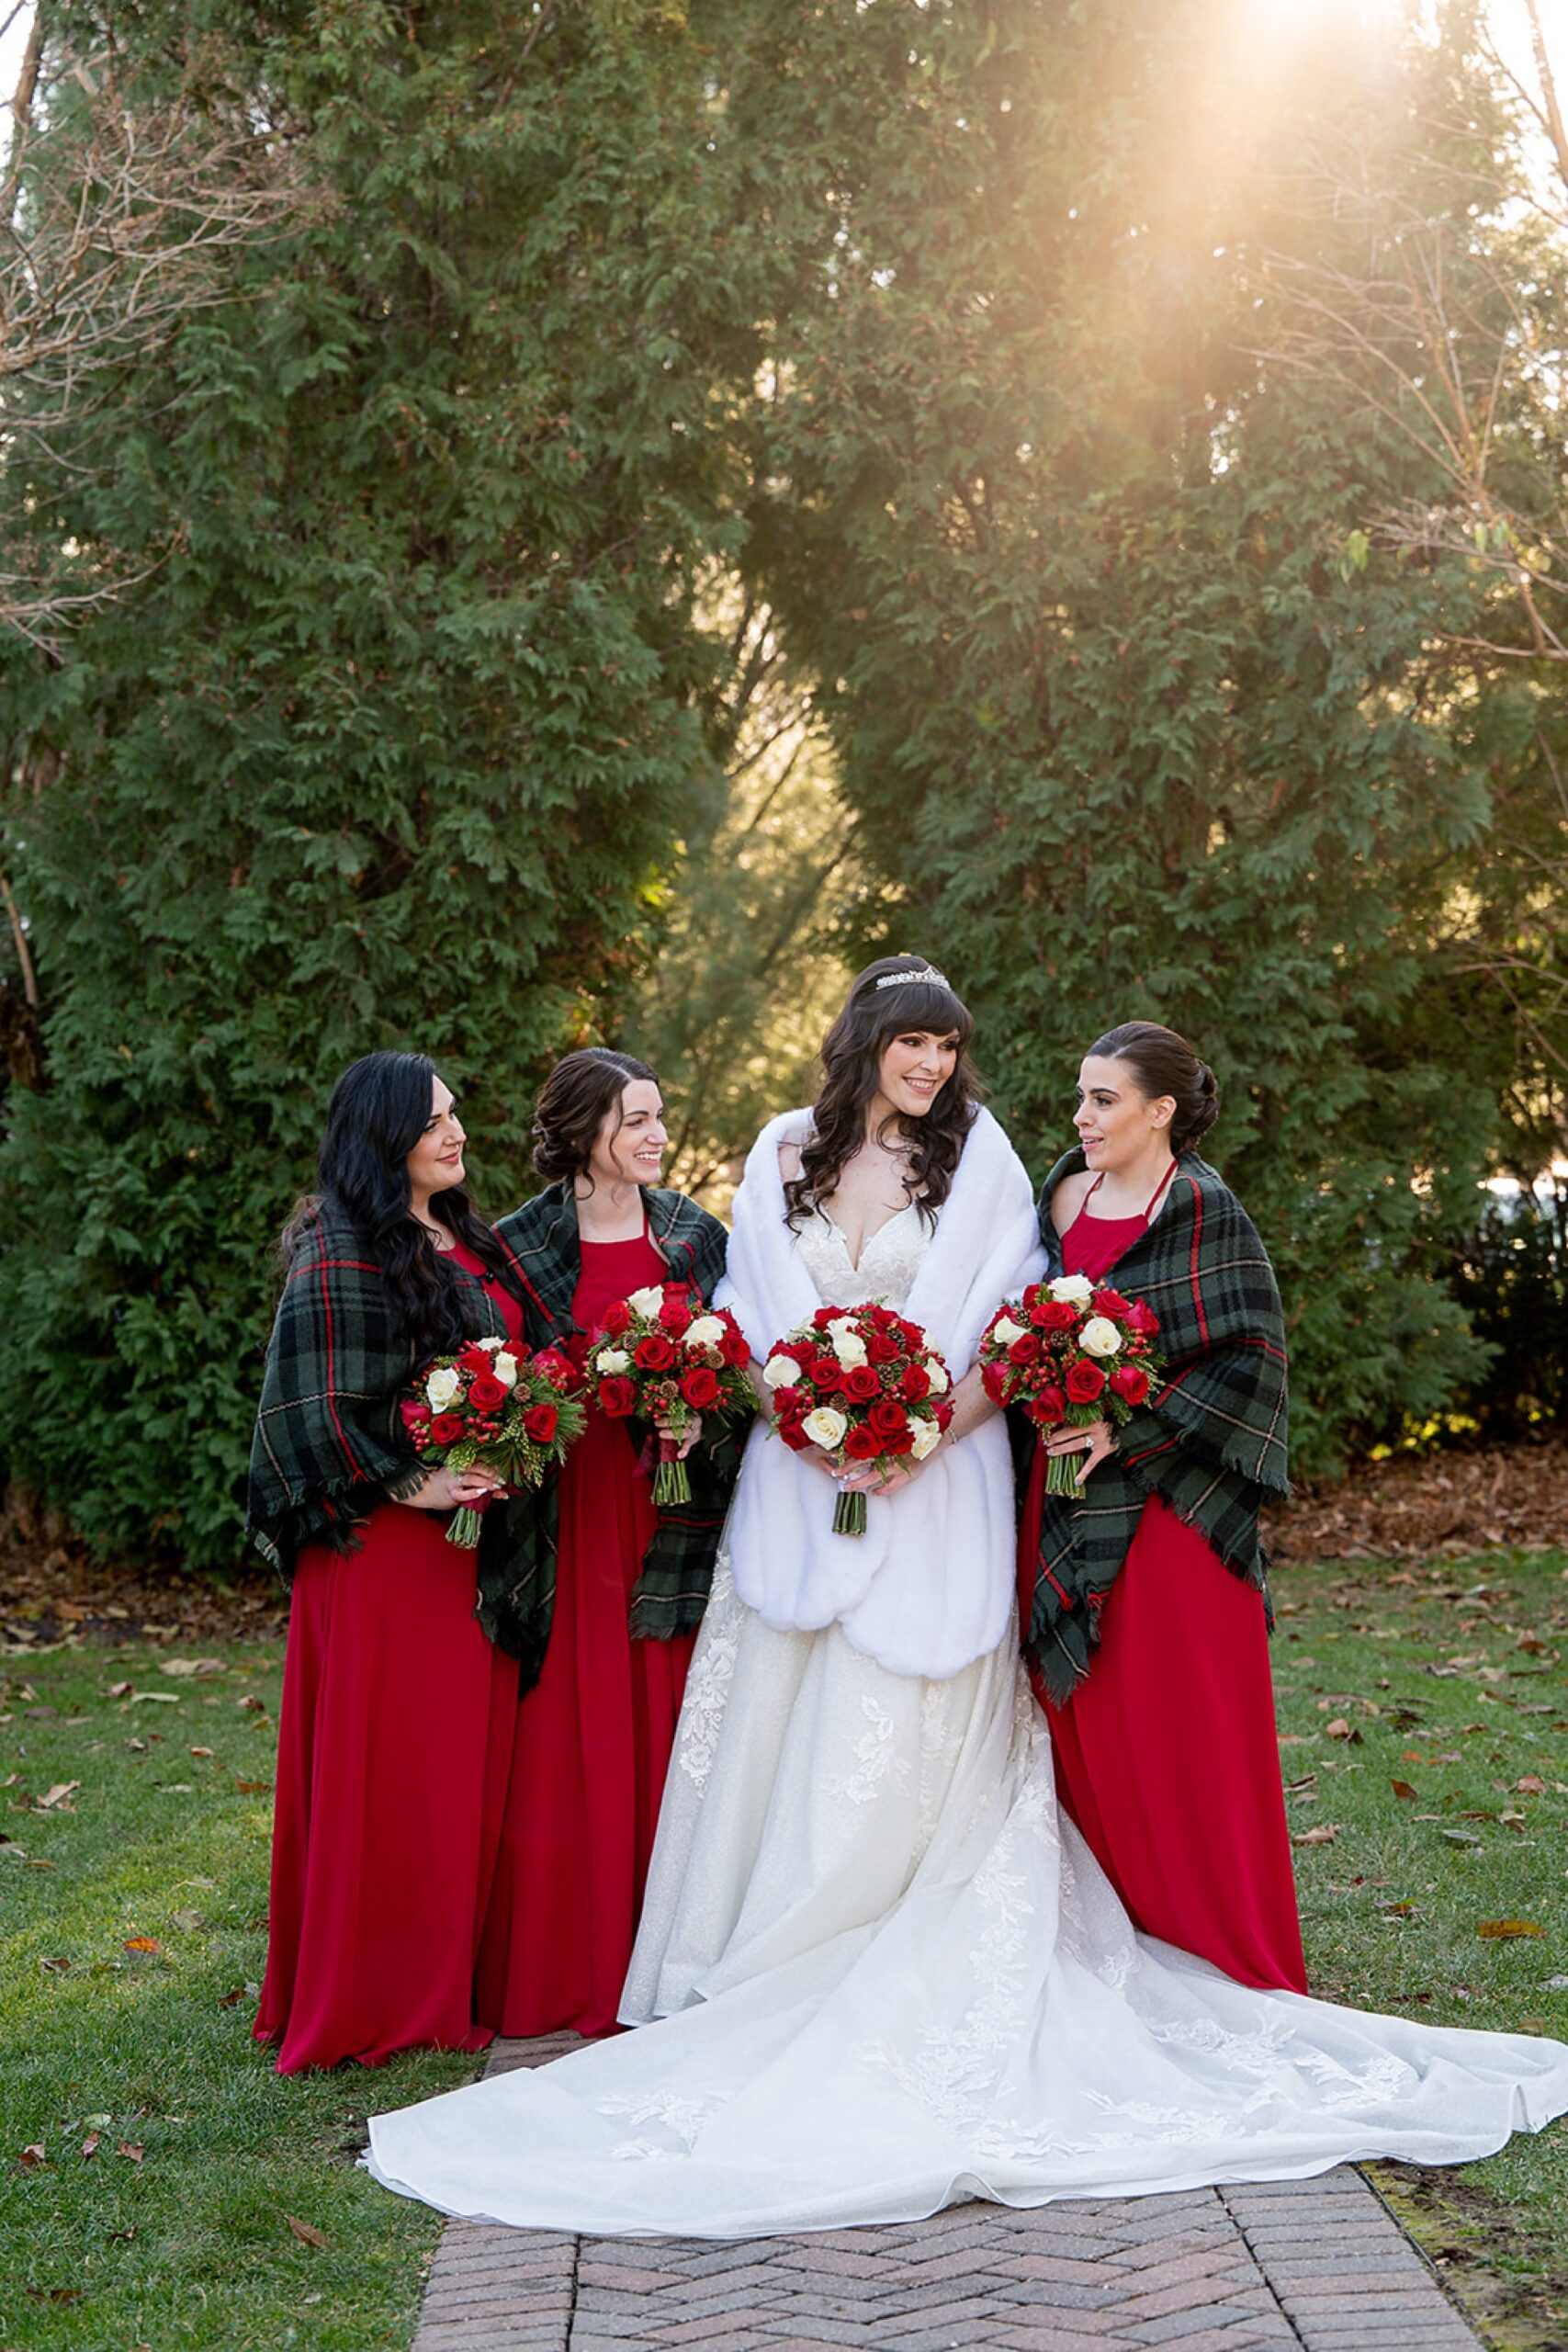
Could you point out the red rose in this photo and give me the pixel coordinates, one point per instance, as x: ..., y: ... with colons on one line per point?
x: 700, y: 1388
x: 943, y: 1409
x: 539, y: 1422
x: 794, y: 1437
x: 674, y: 1314
x: 473, y: 1358
x: 416, y: 1418
x: 916, y: 1384
x: 880, y: 1349
x: 618, y: 1397
x: 446, y: 1428
x: 1142, y: 1319
x: 888, y: 1417
x: 903, y: 1443
x: 910, y: 1333
x: 862, y: 1383
x: 824, y: 1316
x: 994, y: 1381
x: 1024, y: 1350
x: 1109, y: 1302
x: 558, y: 1370
x: 1053, y: 1315
x: 826, y: 1375
x: 1131, y: 1382
x: 654, y: 1353
x: 617, y: 1318
x: 485, y: 1392
x: 1047, y: 1410
x: 862, y: 1444
x: 791, y: 1404
x: 882, y: 1317
x: 1085, y: 1381
x: 734, y: 1347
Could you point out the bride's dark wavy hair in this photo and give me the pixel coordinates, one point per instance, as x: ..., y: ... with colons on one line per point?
x: 851, y: 1060
x: 377, y: 1112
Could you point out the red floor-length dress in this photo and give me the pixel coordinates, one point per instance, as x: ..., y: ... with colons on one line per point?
x: 593, y: 1737
x: 395, y: 1736
x: 1166, y: 1755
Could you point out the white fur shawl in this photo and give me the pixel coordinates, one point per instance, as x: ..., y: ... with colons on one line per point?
x: 929, y: 1587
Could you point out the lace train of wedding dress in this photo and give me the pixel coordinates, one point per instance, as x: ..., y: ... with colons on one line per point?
x: 888, y: 1974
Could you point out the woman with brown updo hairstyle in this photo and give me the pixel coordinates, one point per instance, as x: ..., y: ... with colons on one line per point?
x: 596, y: 1592
x: 1144, y: 1609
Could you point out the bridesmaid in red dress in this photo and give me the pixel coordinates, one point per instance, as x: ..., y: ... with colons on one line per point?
x: 611, y: 1646
x: 1164, y: 1735
x: 397, y: 1717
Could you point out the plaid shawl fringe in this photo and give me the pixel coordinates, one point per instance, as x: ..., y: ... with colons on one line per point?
x: 329, y: 1444
x: 520, y: 1538
x: 1210, y: 1443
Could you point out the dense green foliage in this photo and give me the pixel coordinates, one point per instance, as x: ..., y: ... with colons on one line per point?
x: 634, y: 396
x: 392, y: 743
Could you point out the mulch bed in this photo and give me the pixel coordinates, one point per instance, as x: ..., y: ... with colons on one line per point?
x: 1412, y: 1507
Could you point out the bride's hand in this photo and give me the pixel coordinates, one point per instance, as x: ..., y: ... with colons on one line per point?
x: 874, y: 1480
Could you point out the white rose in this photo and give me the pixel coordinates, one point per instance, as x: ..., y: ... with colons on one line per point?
x: 928, y: 1437
x: 1101, y: 1337
x: 705, y: 1331
x: 937, y: 1375
x: 647, y: 1302
x: 780, y: 1372
x: 849, y: 1347
x: 1006, y: 1330
x: 506, y: 1370
x: 489, y: 1343
x: 825, y: 1428
x: 612, y: 1360
x: 1072, y: 1290
x: 441, y: 1388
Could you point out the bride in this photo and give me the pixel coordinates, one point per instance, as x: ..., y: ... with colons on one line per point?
x: 878, y: 1970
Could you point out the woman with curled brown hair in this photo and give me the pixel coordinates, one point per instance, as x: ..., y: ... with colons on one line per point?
x: 596, y: 1591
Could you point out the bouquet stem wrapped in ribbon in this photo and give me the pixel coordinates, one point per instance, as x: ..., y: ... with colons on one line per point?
x: 662, y: 1357
x: 866, y: 1386
x: 1069, y: 1352
x: 496, y: 1406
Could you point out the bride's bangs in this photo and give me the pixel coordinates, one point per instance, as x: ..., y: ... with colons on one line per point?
x: 928, y: 1006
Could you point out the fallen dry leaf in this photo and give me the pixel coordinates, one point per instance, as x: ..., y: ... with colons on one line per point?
x: 142, y: 1943
x: 56, y: 1799
x: 201, y: 1751
x: 119, y: 1690
x: 232, y: 1999
x: 55, y: 2294
x: 90, y: 2144
x: 1496, y: 1929
x: 187, y: 1922
x: 254, y: 1787
x: 55, y: 1966
x: 1323, y: 1834
x: 155, y: 1698
x: 133, y: 2149
x: 182, y: 1666
x: 1532, y: 1785
x: 307, y: 2232
x: 1402, y: 1788
x: 32, y: 2156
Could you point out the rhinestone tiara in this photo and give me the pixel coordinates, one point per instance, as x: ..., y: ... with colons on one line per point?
x: 903, y: 979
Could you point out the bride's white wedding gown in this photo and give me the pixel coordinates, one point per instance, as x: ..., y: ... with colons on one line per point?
x: 889, y: 1974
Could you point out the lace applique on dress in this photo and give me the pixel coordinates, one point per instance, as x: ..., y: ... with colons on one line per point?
x: 888, y: 1263
x: 879, y: 1759
x: 707, y: 1684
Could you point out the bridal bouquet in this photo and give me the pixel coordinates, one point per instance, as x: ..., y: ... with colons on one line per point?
x: 1068, y: 1353
x: 660, y: 1357
x: 864, y: 1385
x: 496, y: 1405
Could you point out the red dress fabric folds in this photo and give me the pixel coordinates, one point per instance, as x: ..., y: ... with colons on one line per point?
x: 1166, y: 1755
x: 593, y: 1738
x: 395, y: 1739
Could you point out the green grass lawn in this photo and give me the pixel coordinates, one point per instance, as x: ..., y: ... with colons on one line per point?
x: 187, y: 2241
x: 1421, y: 1717
x: 1446, y: 1681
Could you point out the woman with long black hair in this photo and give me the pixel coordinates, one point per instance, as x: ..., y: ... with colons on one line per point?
x: 397, y: 1717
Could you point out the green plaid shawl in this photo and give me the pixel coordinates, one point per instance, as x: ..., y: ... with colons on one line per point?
x: 329, y: 1444
x: 518, y: 1555
x: 1210, y: 1441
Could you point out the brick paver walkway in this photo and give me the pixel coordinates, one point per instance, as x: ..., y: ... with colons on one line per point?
x: 1312, y: 2265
